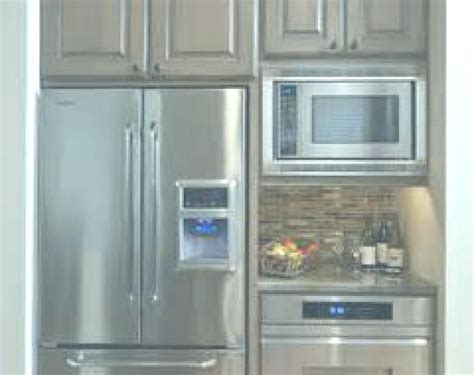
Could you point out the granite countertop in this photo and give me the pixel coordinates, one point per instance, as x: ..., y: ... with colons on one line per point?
x: 335, y: 279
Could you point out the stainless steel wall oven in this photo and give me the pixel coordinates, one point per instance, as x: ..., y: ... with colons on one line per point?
x: 346, y: 334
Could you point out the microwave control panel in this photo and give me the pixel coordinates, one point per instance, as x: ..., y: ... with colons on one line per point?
x: 288, y: 120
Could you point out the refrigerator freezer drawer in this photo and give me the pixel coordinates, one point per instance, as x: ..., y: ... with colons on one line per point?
x: 141, y: 362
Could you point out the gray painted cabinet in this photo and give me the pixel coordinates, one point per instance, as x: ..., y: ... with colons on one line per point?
x: 137, y: 38
x: 302, y: 27
x: 386, y: 26
x: 93, y: 38
x: 202, y: 37
x: 313, y: 28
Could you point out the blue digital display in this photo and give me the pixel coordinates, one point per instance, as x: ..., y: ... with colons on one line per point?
x: 205, y: 227
x: 347, y: 310
x: 336, y: 310
x: 288, y: 90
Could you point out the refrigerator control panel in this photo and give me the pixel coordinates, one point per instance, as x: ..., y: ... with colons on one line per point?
x: 205, y: 197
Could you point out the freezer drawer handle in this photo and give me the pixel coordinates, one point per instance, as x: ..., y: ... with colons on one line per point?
x: 77, y: 363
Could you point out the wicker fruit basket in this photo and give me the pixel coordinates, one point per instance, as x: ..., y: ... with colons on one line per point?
x: 287, y: 257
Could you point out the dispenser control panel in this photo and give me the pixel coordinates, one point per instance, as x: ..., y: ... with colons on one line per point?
x: 206, y: 223
x: 205, y: 197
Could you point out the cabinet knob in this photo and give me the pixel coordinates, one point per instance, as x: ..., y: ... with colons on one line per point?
x: 332, y: 45
x: 354, y: 44
x: 156, y: 68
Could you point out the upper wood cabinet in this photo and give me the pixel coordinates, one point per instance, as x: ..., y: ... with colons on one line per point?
x: 317, y: 28
x: 302, y: 27
x: 93, y: 38
x: 202, y: 37
x: 147, y: 38
x: 392, y: 26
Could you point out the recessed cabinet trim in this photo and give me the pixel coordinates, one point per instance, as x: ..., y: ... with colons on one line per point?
x: 402, y: 29
x: 92, y: 38
x: 348, y: 28
x: 304, y: 27
x: 207, y: 38
x: 148, y: 39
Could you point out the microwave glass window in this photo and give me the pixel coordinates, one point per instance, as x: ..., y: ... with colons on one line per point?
x: 353, y: 119
x: 205, y: 239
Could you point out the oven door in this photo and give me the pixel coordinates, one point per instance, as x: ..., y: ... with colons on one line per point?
x: 356, y: 120
x: 345, y: 356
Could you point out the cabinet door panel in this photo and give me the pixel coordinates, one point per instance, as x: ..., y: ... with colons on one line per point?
x: 386, y: 26
x: 205, y: 37
x: 302, y: 27
x: 93, y: 38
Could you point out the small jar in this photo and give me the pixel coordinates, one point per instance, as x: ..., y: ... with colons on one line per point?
x: 396, y: 260
x: 367, y: 257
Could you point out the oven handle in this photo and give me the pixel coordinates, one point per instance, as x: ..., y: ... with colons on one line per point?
x: 124, y: 363
x: 421, y: 341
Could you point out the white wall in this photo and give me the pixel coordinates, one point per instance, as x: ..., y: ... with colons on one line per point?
x: 423, y: 228
x: 12, y: 185
x: 422, y: 210
x: 459, y: 188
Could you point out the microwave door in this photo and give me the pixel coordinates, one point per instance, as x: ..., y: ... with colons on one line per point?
x: 356, y: 120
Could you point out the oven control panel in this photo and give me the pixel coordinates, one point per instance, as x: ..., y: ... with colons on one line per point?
x: 347, y: 310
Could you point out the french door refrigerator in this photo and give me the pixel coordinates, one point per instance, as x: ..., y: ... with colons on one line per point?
x: 142, y: 231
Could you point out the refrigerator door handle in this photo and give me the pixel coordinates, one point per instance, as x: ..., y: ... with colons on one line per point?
x: 129, y: 208
x: 154, y: 194
x: 80, y: 362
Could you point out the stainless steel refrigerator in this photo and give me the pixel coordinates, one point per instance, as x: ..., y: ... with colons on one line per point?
x: 142, y: 231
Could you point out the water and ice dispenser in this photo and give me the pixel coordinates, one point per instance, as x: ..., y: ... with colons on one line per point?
x: 207, y: 224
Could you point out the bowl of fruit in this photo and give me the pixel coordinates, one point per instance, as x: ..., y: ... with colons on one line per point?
x: 288, y: 257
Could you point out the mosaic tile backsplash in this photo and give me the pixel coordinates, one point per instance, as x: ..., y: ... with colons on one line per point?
x: 320, y: 212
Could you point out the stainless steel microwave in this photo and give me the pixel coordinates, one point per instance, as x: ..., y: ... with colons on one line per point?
x: 344, y: 125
